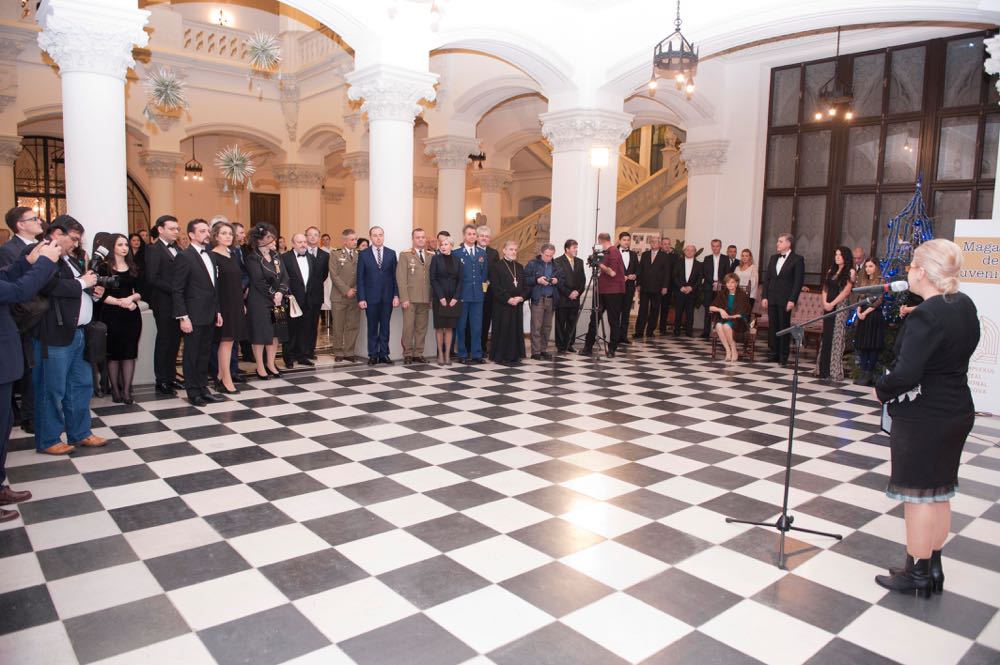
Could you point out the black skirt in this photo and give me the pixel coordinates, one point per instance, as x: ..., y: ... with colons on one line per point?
x: 869, y: 334
x: 446, y: 317
x: 925, y: 457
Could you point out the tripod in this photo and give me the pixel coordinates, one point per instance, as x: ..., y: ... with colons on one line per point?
x: 784, y: 522
x: 593, y: 288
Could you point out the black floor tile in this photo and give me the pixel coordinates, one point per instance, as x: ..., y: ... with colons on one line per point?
x: 266, y: 638
x: 312, y: 573
x: 415, y: 640
x: 200, y: 564
x: 433, y: 581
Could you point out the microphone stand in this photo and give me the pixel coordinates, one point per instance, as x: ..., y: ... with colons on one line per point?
x: 784, y: 522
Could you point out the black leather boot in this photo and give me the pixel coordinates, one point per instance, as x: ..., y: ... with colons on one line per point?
x: 937, y: 572
x: 916, y: 577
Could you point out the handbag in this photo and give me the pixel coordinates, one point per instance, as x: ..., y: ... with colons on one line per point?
x: 27, y: 315
x: 95, y: 347
x: 294, y: 311
x: 279, y: 319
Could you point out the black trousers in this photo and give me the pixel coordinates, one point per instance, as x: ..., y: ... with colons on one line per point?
x: 627, y: 301
x: 6, y: 418
x: 649, y: 312
x: 487, y: 320
x: 299, y: 336
x: 312, y: 314
x: 197, y: 348
x: 612, y: 304
x: 168, y: 341
x: 665, y: 302
x: 565, y: 327
x: 684, y: 313
x: 778, y: 318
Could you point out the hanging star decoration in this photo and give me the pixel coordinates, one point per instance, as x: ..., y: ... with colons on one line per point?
x: 236, y: 167
x: 164, y: 92
x: 264, y: 53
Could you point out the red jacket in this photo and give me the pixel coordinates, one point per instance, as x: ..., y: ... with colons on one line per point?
x: 607, y: 284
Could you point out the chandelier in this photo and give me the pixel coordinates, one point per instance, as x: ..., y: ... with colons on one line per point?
x: 835, y: 97
x: 193, y: 169
x: 675, y: 57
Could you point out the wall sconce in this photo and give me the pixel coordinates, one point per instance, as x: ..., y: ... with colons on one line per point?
x: 222, y: 19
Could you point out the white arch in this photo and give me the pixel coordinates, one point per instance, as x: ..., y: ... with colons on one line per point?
x: 324, y: 136
x: 511, y: 144
x: 270, y: 141
x: 472, y: 105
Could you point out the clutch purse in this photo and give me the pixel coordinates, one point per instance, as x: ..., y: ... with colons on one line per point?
x: 294, y: 311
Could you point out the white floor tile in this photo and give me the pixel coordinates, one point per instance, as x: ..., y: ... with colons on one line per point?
x: 489, y: 618
x: 758, y: 631
x: 883, y: 631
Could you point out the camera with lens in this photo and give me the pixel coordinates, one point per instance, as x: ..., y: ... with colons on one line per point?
x: 99, y: 265
x: 596, y: 257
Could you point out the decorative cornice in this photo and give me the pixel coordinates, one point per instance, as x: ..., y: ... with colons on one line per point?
x: 425, y: 188
x: 451, y: 152
x: 333, y: 194
x: 94, y: 37
x: 704, y: 157
x: 391, y: 93
x: 992, y: 63
x: 358, y: 163
x: 583, y: 129
x: 5, y: 101
x: 10, y: 148
x: 304, y: 176
x: 352, y: 120
x: 493, y: 180
x: 160, y: 163
x: 288, y: 88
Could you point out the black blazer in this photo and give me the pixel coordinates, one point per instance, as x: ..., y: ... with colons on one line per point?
x: 575, y: 280
x: 708, y: 269
x: 697, y: 274
x: 19, y: 282
x: 63, y: 292
x: 305, y: 294
x: 194, y: 292
x: 446, y: 283
x: 159, y: 279
x: 12, y: 250
x: 320, y: 270
x: 653, y: 275
x: 786, y: 286
x: 633, y: 264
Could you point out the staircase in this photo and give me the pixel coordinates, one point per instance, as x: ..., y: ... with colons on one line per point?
x: 641, y: 196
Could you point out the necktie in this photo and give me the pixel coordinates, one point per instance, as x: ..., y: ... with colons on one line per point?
x: 378, y: 257
x: 421, y: 253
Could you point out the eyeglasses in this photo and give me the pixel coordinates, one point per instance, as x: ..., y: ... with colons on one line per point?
x: 30, y: 219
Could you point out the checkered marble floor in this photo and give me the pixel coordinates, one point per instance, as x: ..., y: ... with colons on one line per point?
x: 568, y: 512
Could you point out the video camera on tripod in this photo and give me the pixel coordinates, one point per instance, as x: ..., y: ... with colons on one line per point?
x: 99, y: 264
x: 596, y: 256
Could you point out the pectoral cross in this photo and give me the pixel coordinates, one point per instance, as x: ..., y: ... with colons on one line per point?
x: 515, y: 282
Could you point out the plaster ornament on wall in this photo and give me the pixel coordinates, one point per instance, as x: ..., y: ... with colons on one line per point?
x: 390, y: 93
x: 493, y: 180
x: 425, y: 188
x: 299, y: 175
x: 78, y: 43
x: 9, y: 50
x: 237, y: 167
x: 704, y: 157
x: 585, y: 129
x: 451, y: 152
x: 333, y: 194
x: 159, y: 163
x: 10, y: 148
x: 358, y: 163
x: 992, y: 63
x: 288, y: 88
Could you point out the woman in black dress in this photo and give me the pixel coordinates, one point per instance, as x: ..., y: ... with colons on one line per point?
x: 927, y: 392
x: 836, y: 289
x: 446, y: 285
x: 229, y: 286
x: 268, y: 286
x: 120, y: 313
x: 509, y: 292
x: 869, y: 334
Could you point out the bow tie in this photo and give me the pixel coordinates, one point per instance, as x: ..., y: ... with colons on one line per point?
x: 302, y: 254
x: 203, y: 251
x: 784, y: 256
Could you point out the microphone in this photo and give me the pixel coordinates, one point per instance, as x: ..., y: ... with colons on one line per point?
x: 879, y: 289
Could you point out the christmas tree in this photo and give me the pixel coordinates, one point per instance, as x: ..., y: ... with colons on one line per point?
x: 906, y: 231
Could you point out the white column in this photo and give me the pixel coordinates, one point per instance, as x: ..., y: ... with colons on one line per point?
x: 992, y: 66
x: 451, y: 154
x: 705, y: 161
x: 161, y: 166
x: 358, y: 163
x: 492, y: 183
x: 573, y: 134
x: 92, y: 44
x: 10, y: 148
x: 300, y: 188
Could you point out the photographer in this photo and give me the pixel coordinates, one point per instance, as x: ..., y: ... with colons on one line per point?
x: 19, y: 282
x: 62, y: 377
x: 611, y: 294
x: 544, y: 276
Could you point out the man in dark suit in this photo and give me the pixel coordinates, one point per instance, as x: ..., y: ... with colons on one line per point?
x: 631, y: 261
x: 483, y: 237
x: 688, y: 276
x: 667, y: 247
x: 570, y: 291
x: 24, y: 226
x: 782, y: 285
x: 196, y: 306
x: 19, y: 282
x: 653, y: 280
x: 378, y: 293
x: 714, y: 267
x: 475, y: 280
x: 160, y: 256
x: 302, y: 273
x: 63, y: 378
x: 321, y: 262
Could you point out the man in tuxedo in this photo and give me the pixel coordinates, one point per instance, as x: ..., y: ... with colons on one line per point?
x: 302, y: 273
x: 63, y: 378
x: 610, y: 291
x: 631, y: 261
x: 483, y: 238
x: 378, y: 293
x: 24, y: 226
x: 782, y: 284
x: 570, y: 291
x: 160, y: 256
x: 413, y: 277
x: 688, y: 276
x: 475, y: 281
x: 714, y: 268
x: 653, y: 280
x: 344, y: 297
x: 667, y: 247
x: 196, y: 306
x: 321, y: 263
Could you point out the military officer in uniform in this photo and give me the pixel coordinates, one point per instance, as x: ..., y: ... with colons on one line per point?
x: 475, y: 280
x: 344, y: 298
x: 414, y: 281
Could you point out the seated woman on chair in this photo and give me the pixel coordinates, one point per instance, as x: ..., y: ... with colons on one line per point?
x: 732, y: 305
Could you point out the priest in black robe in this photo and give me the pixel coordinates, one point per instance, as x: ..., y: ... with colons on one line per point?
x: 509, y: 291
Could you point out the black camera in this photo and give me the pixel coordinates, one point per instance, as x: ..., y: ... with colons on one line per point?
x: 596, y: 257
x: 99, y: 264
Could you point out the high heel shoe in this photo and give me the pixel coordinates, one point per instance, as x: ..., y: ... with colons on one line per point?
x: 223, y: 389
x: 936, y: 571
x: 266, y: 376
x: 915, y: 577
x: 275, y: 373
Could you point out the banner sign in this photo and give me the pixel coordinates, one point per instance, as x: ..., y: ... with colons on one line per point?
x: 980, y: 276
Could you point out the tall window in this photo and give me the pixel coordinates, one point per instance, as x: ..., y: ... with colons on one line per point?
x: 924, y: 109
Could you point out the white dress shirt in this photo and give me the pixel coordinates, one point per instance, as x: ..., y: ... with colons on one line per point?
x: 170, y: 248
x: 86, y: 300
x: 303, y: 262
x: 207, y: 260
x: 717, y: 259
x: 688, y: 267
x: 626, y: 257
x: 780, y: 263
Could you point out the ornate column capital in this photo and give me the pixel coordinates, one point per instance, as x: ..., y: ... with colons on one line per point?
x: 333, y: 194
x: 391, y: 93
x: 304, y: 176
x: 353, y: 120
x: 95, y: 36
x: 704, y: 157
x: 583, y: 129
x: 10, y: 148
x: 425, y: 188
x: 493, y: 180
x: 160, y: 163
x: 451, y: 152
x: 358, y: 163
x: 992, y: 63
